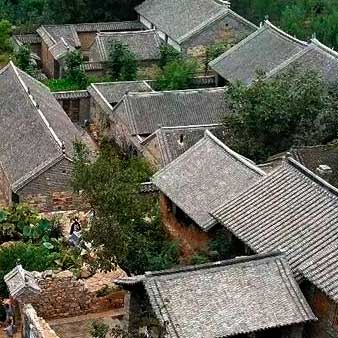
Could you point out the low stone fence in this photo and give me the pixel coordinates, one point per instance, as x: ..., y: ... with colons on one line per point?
x: 34, y: 326
x: 62, y: 295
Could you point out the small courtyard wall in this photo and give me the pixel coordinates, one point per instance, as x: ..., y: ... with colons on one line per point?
x: 62, y: 295
x: 34, y: 326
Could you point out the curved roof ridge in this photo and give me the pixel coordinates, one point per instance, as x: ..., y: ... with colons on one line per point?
x: 268, y: 24
x: 327, y: 49
x: 234, y: 154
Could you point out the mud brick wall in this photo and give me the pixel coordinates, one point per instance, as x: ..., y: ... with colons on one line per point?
x: 64, y: 296
x: 190, y: 238
x: 34, y: 326
x: 5, y: 190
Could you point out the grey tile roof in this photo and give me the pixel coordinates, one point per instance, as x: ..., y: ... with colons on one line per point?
x: 317, y: 57
x: 263, y: 50
x: 144, y: 113
x: 28, y: 38
x: 227, y: 298
x: 174, y: 141
x: 207, y: 173
x: 291, y: 210
x: 33, y: 127
x: 21, y: 283
x: 106, y: 94
x: 144, y: 44
x: 180, y: 19
x: 314, y: 156
x: 74, y: 94
x: 52, y: 34
x: 108, y: 26
x: 321, y: 270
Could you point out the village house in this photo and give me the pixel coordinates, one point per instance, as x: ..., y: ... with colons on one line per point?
x: 294, y: 211
x: 320, y: 159
x: 272, y: 51
x: 145, y: 45
x: 51, y: 43
x: 254, y: 296
x: 36, y: 144
x: 168, y: 143
x: 192, y: 25
x: 195, y: 183
x: 316, y: 57
x: 138, y: 115
x: 263, y: 50
x: 105, y: 96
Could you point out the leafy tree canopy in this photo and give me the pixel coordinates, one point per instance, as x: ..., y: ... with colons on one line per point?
x: 74, y: 71
x: 177, y: 74
x: 122, y: 64
x: 270, y: 116
x: 5, y: 34
x: 127, y: 225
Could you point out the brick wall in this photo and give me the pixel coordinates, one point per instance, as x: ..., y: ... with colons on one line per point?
x: 152, y: 153
x: 226, y: 29
x: 51, y: 191
x: 64, y: 296
x: 47, y: 61
x: 86, y: 39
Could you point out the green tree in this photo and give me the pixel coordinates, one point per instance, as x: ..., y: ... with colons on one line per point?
x: 5, y: 35
x: 178, y: 74
x: 168, y: 55
x: 23, y: 60
x: 268, y: 117
x: 74, y: 70
x: 122, y: 64
x: 127, y: 226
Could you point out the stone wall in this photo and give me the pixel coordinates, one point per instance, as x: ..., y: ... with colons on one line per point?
x: 34, y: 326
x: 77, y: 109
x: 325, y: 310
x: 65, y: 296
x: 51, y: 191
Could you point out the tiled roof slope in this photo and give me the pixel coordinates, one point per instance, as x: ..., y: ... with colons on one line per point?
x: 34, y: 128
x: 316, y: 57
x: 227, y: 298
x: 145, y: 45
x: 263, y: 50
x: 110, y: 93
x: 207, y: 173
x: 180, y: 19
x: 314, y: 156
x: 119, y: 26
x: 174, y: 141
x: 291, y: 210
x: 144, y: 113
x: 321, y: 270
